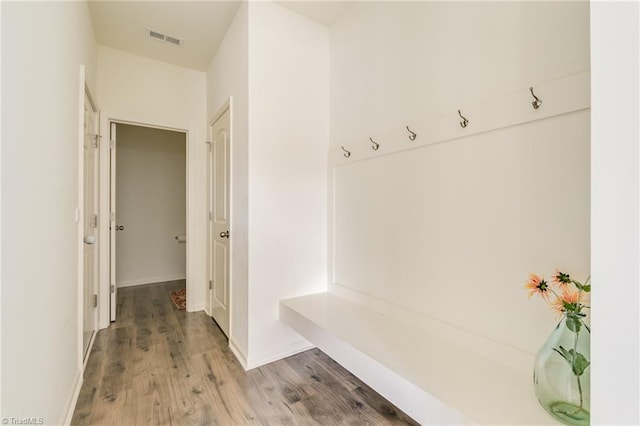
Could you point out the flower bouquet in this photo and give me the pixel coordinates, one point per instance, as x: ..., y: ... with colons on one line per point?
x: 561, y: 373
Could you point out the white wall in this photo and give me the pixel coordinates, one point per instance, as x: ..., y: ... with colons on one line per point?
x: 394, y: 62
x: 227, y: 76
x: 274, y: 64
x: 41, y: 95
x: 146, y: 91
x: 288, y: 141
x: 151, y: 205
x: 451, y: 231
x: 615, y: 195
x: 1, y: 118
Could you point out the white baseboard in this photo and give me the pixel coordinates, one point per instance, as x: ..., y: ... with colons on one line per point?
x: 280, y: 353
x: 240, y: 356
x: 72, y: 399
x: 196, y: 308
x: 89, y: 349
x: 104, y: 323
x: 151, y: 280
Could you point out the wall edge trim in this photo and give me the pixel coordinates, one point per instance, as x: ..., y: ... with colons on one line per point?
x: 72, y: 398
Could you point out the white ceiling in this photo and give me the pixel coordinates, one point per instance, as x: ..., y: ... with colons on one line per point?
x: 201, y: 24
x: 324, y: 12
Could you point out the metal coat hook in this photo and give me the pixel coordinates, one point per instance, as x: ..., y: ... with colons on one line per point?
x: 375, y: 145
x: 346, y: 154
x: 464, y: 121
x: 412, y: 136
x: 536, y: 104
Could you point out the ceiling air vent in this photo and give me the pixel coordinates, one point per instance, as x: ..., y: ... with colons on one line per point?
x: 159, y: 36
x: 173, y: 40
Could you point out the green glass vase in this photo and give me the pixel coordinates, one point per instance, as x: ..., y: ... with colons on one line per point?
x: 561, y: 375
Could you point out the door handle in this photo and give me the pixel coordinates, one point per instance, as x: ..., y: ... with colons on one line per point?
x: 224, y: 234
x: 120, y: 228
x: 89, y: 239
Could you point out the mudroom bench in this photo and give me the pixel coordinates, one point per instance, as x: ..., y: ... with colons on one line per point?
x: 434, y: 378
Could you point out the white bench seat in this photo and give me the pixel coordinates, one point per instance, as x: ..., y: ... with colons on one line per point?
x: 481, y: 390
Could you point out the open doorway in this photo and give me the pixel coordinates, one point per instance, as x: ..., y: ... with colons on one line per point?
x: 148, y: 196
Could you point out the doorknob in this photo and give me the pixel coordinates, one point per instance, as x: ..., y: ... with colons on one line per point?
x: 89, y: 239
x: 224, y: 234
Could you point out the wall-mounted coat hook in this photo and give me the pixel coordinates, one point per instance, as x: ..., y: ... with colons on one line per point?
x: 464, y: 121
x: 537, y: 102
x: 412, y: 136
x: 375, y: 145
x: 346, y: 154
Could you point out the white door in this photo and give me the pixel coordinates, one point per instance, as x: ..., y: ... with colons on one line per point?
x: 219, y: 221
x: 112, y: 224
x: 90, y: 231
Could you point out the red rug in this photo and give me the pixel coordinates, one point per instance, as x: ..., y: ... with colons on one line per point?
x: 179, y: 298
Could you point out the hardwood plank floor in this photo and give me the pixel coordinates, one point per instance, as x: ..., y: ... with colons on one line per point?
x: 157, y: 365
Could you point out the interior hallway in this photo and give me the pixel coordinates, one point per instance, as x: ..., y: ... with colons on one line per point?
x: 159, y: 365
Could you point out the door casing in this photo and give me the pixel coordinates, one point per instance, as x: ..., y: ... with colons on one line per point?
x: 106, y: 119
x: 84, y: 95
x: 90, y: 207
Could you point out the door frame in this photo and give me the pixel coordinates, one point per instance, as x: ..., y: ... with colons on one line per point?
x: 227, y: 105
x: 106, y: 118
x: 84, y: 91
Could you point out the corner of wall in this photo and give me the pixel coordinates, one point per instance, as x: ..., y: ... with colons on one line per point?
x: 278, y: 353
x: 227, y: 77
x: 239, y: 353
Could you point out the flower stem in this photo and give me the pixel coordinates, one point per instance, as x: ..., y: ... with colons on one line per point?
x: 580, y: 389
x: 575, y: 351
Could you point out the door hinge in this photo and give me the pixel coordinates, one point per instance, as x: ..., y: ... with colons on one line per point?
x: 208, y: 143
x: 113, y: 288
x: 210, y: 215
x: 95, y: 300
x: 95, y: 221
x: 112, y: 144
x: 96, y: 141
x: 210, y: 284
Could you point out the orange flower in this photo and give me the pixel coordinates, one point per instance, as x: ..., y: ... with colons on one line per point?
x: 537, y: 285
x: 561, y: 279
x: 568, y: 297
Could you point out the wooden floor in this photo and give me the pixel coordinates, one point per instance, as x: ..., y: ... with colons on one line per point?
x: 161, y: 366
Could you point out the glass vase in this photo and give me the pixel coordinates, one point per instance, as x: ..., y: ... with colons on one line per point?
x: 561, y: 375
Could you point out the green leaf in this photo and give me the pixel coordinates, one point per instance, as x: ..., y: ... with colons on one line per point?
x: 573, y: 323
x: 586, y: 288
x: 579, y: 364
x: 564, y: 354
